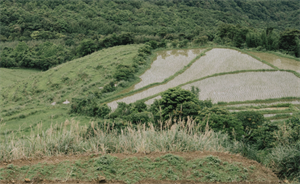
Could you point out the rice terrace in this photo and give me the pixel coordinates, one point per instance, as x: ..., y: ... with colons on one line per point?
x: 139, y: 91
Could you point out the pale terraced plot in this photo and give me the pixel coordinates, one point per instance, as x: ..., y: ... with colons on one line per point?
x: 248, y: 86
x: 280, y: 62
x: 166, y: 64
x: 215, y: 61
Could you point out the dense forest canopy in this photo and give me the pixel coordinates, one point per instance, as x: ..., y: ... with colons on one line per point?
x: 33, y: 19
x: 85, y: 26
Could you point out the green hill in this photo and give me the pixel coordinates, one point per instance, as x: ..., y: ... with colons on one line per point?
x: 28, y: 102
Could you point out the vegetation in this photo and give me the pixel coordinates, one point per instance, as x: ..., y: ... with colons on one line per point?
x: 93, y: 52
x: 131, y: 170
x: 112, y: 23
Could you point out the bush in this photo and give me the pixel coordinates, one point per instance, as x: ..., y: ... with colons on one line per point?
x: 264, y: 136
x: 187, y: 109
x: 251, y: 120
x: 140, y: 117
x: 220, y: 119
x: 88, y: 106
x: 124, y: 72
x: 286, y: 161
x: 110, y: 87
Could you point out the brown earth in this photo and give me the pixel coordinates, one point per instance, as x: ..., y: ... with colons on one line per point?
x: 259, y: 172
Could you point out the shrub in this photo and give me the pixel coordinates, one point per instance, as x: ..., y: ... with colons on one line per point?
x: 124, y: 72
x: 140, y: 117
x: 110, y: 87
x: 220, y: 119
x: 88, y: 106
x: 264, y: 136
x: 251, y: 120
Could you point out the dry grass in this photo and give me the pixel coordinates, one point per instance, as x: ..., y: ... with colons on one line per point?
x: 166, y: 64
x: 280, y: 62
x: 66, y: 138
x: 248, y: 86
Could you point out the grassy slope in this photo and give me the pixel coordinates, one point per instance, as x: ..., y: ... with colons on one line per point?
x: 77, y: 78
x: 10, y: 76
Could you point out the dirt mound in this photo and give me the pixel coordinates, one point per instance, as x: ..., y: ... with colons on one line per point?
x: 144, y: 182
x: 260, y: 173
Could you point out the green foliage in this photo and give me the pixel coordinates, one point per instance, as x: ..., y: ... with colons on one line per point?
x: 264, y: 136
x: 88, y: 106
x: 220, y: 119
x: 124, y: 72
x: 251, y: 120
x: 42, y: 56
x: 201, y: 40
x: 286, y: 161
x: 174, y: 97
x: 86, y: 47
x: 135, y: 113
x: 289, y: 41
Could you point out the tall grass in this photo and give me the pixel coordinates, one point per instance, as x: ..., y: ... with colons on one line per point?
x: 70, y: 138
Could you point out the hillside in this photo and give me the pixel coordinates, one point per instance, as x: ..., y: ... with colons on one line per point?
x: 63, y: 129
x: 29, y: 99
x: 54, y: 19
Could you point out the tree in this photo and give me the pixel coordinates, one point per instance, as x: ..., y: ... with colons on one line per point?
x: 86, y: 47
x: 289, y: 41
x: 173, y: 98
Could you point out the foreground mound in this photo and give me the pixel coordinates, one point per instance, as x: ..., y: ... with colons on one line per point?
x: 191, y: 167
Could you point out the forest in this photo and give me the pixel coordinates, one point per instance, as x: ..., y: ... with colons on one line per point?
x: 43, y: 34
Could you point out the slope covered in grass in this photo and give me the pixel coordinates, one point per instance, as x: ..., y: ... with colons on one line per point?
x: 215, y: 61
x: 12, y: 75
x: 28, y: 102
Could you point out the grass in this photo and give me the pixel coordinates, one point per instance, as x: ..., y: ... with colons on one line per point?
x: 8, y: 76
x: 66, y: 138
x: 133, y: 170
x: 27, y: 102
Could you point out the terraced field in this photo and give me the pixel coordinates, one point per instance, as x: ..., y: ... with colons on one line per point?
x: 280, y: 62
x: 222, y: 75
x: 248, y: 86
x: 215, y: 61
x: 166, y: 64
